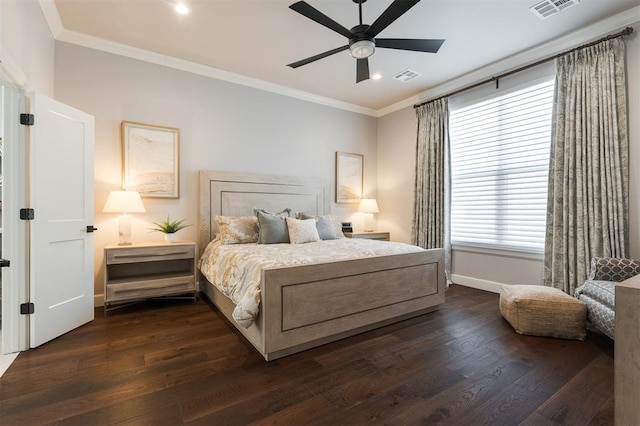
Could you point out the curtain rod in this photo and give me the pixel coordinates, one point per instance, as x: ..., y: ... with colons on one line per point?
x: 625, y: 32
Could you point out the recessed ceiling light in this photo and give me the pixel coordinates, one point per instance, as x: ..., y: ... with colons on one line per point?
x: 181, y: 8
x: 376, y: 76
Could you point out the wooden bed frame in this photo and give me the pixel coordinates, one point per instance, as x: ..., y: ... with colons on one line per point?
x: 307, y: 306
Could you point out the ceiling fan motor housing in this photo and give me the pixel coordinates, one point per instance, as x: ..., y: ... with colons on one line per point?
x: 362, y: 45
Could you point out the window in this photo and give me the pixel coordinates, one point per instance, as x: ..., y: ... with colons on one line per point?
x: 499, y: 170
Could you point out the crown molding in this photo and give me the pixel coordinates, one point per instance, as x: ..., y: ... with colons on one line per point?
x: 554, y: 47
x: 59, y: 33
x: 569, y: 41
x: 51, y: 15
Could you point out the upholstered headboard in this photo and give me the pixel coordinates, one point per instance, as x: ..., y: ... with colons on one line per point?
x: 237, y: 194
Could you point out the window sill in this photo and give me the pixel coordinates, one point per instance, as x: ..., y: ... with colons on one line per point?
x: 497, y: 251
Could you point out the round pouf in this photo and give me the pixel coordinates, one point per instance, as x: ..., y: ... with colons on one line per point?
x: 543, y: 311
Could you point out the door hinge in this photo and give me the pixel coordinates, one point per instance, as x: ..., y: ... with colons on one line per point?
x: 27, y: 119
x: 27, y: 308
x: 27, y: 214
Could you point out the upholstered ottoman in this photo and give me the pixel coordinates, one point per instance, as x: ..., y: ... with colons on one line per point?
x: 543, y: 311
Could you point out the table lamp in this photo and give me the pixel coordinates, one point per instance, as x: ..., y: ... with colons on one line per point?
x: 124, y: 202
x: 368, y: 206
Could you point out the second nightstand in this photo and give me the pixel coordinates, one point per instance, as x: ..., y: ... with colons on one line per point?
x: 382, y: 236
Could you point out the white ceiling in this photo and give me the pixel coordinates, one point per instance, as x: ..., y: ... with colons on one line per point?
x: 258, y: 38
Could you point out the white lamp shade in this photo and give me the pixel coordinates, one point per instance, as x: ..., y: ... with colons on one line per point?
x: 123, y: 202
x: 368, y: 205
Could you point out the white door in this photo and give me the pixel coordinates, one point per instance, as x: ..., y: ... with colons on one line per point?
x: 61, y: 194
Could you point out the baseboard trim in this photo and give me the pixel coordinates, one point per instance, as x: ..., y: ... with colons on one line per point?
x: 485, y: 285
x: 98, y: 300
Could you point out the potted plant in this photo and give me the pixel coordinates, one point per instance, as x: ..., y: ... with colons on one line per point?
x: 169, y: 228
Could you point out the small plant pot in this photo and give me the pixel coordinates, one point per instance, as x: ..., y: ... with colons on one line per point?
x: 170, y: 237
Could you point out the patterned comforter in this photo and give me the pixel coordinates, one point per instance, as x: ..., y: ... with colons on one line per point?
x: 236, y: 269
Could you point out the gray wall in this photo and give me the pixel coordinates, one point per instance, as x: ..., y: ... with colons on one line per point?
x: 26, y: 46
x: 229, y: 127
x: 223, y: 126
x: 396, y: 163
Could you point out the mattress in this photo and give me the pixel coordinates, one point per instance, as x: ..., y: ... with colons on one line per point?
x: 236, y: 269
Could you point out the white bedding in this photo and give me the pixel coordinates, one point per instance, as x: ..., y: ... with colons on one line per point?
x: 235, y: 269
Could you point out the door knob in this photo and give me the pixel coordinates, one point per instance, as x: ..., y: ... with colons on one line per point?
x: 91, y: 228
x: 4, y: 263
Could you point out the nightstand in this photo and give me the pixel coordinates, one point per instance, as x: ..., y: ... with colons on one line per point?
x: 382, y: 236
x: 141, y: 271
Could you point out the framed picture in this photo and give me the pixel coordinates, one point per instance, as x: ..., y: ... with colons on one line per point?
x: 349, y: 177
x: 151, y: 159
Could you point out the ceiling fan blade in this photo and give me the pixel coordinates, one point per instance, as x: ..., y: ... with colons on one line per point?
x: 314, y: 14
x: 319, y: 56
x: 362, y: 70
x: 393, y: 12
x: 417, y: 45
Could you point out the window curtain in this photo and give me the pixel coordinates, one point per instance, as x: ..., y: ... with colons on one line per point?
x: 430, y: 228
x: 587, y: 209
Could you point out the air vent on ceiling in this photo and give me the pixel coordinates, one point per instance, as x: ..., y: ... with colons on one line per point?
x: 406, y: 76
x: 548, y: 8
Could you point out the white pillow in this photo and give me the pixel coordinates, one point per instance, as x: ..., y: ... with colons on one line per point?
x: 302, y: 231
x: 329, y: 226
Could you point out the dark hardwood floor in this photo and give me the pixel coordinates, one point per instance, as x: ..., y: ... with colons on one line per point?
x: 167, y: 362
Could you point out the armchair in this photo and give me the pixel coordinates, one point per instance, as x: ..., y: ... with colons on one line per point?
x: 598, y: 291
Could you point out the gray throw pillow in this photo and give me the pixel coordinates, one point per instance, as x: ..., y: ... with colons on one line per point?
x: 272, y: 226
x: 324, y: 225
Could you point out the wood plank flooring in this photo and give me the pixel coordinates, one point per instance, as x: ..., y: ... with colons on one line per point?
x: 170, y: 363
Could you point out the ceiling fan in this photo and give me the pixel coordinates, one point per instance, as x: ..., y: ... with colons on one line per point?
x: 362, y: 41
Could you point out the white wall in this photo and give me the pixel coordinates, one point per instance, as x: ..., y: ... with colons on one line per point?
x: 223, y: 126
x: 26, y: 46
x: 396, y: 164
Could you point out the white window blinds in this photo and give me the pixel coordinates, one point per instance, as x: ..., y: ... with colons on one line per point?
x: 499, y: 170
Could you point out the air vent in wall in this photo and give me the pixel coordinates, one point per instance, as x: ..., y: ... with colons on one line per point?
x: 548, y: 8
x: 406, y: 75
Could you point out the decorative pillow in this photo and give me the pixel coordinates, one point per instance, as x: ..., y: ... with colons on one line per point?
x: 302, y: 231
x: 329, y: 226
x: 237, y: 229
x: 272, y: 229
x: 613, y: 269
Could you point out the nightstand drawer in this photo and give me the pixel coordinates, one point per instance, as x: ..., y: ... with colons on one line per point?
x: 149, y: 254
x: 151, y: 288
x: 381, y: 236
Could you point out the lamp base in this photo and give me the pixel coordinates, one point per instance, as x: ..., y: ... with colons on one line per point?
x: 124, y: 230
x: 369, y: 222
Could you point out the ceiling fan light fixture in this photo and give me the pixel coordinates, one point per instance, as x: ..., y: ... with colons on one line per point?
x: 362, y: 49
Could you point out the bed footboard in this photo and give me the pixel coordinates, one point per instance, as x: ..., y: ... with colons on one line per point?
x: 307, y: 306
x: 310, y: 305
